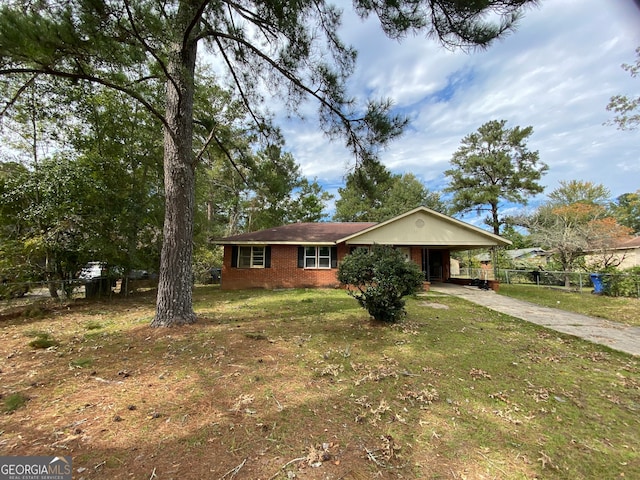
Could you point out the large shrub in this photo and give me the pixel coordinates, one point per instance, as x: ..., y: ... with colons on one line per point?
x: 625, y: 283
x: 378, y: 279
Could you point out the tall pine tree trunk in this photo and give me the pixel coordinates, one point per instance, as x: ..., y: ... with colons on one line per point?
x: 174, y: 304
x: 495, y: 219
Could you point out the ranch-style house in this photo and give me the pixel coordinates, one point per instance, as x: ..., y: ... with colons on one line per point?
x: 303, y: 255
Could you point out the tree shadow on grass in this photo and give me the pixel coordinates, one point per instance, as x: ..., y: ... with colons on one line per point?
x: 344, y: 398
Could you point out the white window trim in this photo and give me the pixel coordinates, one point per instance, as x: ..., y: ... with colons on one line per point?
x: 316, y: 258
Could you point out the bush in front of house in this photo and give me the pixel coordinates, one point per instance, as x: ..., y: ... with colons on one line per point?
x: 379, y: 279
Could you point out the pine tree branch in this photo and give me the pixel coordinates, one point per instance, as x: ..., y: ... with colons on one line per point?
x: 16, y: 96
x: 92, y: 79
x: 147, y: 47
x: 353, y: 139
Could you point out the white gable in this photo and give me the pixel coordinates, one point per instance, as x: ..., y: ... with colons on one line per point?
x: 426, y: 227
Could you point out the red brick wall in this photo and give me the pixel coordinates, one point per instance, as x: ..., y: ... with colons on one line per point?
x: 416, y: 256
x: 284, y: 271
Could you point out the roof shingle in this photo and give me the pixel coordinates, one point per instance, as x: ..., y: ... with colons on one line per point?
x: 328, y: 232
x: 631, y: 243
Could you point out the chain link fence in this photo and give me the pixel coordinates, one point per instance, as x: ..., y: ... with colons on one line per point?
x: 74, y: 288
x: 614, y: 284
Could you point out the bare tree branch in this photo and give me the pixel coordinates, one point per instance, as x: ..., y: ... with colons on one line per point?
x: 15, y: 97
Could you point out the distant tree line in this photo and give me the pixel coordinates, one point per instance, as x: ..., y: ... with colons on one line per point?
x: 91, y: 188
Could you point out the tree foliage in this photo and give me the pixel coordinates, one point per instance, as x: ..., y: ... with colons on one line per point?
x: 276, y: 192
x: 494, y: 165
x: 363, y: 194
x: 99, y: 197
x: 627, y: 107
x: 265, y: 189
x: 518, y: 239
x: 120, y: 143
x: 373, y: 194
x: 290, y: 50
x: 575, y: 221
x: 605, y: 235
x: 626, y: 209
x: 51, y: 228
x: 579, y: 191
x: 379, y: 279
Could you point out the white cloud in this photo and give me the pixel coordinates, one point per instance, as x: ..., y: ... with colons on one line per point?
x: 555, y: 73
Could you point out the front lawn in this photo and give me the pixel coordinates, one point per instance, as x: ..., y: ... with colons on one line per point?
x: 618, y: 309
x: 301, y: 384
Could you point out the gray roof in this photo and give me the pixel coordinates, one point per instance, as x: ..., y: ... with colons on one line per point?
x: 300, y: 233
x: 631, y: 243
x: 515, y: 254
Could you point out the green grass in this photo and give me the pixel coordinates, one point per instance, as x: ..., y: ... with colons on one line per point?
x: 93, y: 325
x: 617, y: 309
x: 14, y: 401
x: 43, y: 340
x: 81, y: 363
x: 453, y: 391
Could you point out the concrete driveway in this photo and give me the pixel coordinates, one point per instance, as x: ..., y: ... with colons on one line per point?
x: 597, y: 330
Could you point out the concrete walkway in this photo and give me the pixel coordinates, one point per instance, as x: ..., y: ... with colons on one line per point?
x: 597, y: 330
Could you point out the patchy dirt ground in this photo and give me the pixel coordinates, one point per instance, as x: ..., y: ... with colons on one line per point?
x: 214, y: 400
x: 302, y: 385
x: 435, y: 305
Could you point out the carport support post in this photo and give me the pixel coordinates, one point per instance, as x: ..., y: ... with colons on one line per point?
x: 494, y: 260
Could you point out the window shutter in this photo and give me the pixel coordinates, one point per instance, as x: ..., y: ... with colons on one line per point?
x: 334, y: 257
x: 300, y: 257
x: 234, y: 256
x: 267, y: 257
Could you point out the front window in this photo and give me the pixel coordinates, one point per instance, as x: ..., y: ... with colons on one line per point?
x: 406, y: 251
x: 317, y: 257
x: 324, y: 257
x: 251, y: 257
x: 310, y: 258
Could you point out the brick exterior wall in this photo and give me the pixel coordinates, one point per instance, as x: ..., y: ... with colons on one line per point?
x: 284, y: 271
x: 416, y: 255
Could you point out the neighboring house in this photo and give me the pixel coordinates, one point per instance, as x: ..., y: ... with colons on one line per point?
x: 308, y: 254
x: 535, y: 256
x: 625, y: 254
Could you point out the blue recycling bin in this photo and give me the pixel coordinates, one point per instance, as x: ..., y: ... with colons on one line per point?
x: 598, y: 284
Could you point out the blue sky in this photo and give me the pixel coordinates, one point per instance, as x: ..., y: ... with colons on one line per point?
x: 556, y: 72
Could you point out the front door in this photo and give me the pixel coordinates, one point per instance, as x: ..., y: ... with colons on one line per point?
x: 432, y: 265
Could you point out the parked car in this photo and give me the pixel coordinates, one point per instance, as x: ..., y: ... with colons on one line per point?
x: 138, y: 275
x: 98, y: 279
x: 94, y: 270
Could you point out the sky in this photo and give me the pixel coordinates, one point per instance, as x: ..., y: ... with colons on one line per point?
x: 556, y: 73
